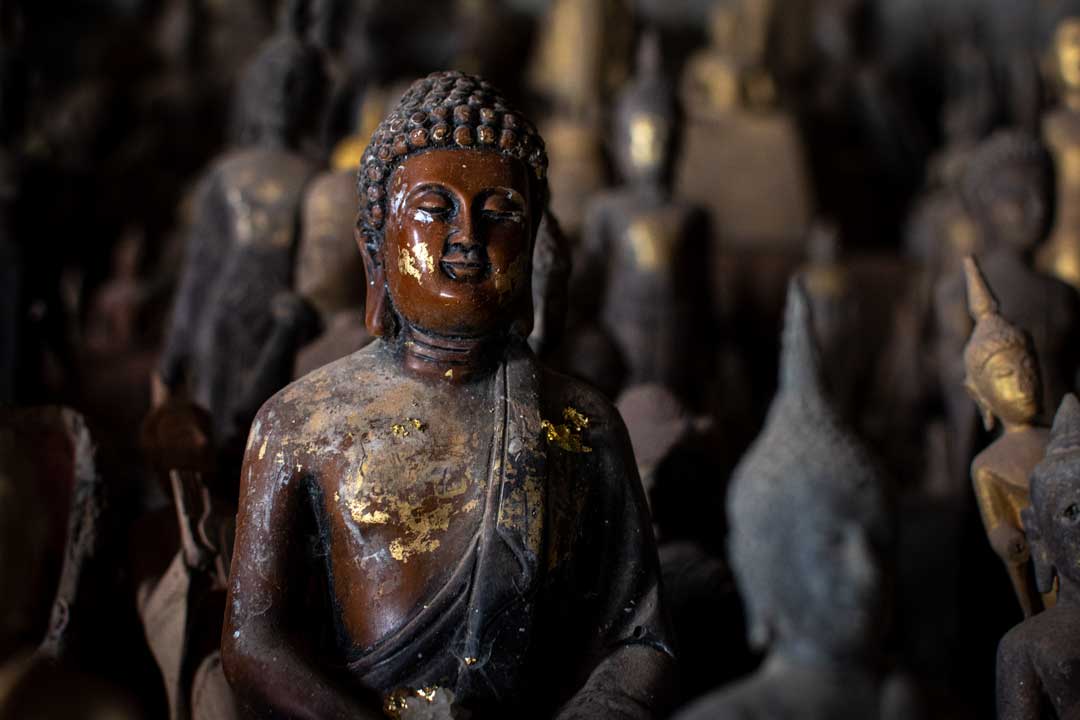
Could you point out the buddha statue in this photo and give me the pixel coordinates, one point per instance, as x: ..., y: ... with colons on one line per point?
x: 815, y: 581
x: 1002, y: 377
x: 1005, y: 188
x: 1060, y: 256
x: 241, y: 246
x: 644, y: 253
x: 1037, y: 660
x: 437, y: 519
x: 734, y: 129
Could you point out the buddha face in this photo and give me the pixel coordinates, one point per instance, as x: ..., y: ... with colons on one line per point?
x: 836, y: 603
x: 457, y: 246
x: 1017, y: 212
x: 646, y: 147
x: 1056, y: 509
x: 1008, y: 385
x: 1067, y: 53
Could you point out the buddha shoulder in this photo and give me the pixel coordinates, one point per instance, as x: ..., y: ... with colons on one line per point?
x: 583, y: 410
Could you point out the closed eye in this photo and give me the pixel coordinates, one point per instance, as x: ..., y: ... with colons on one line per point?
x: 434, y: 203
x: 502, y: 207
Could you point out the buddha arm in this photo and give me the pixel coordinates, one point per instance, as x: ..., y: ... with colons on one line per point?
x: 992, y: 505
x: 261, y: 659
x: 1019, y: 694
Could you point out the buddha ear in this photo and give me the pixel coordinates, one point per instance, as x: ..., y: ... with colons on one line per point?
x: 1044, y: 568
x: 985, y: 413
x: 377, y: 305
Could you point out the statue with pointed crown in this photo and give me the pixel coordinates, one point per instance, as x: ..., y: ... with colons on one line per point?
x: 644, y: 251
x: 1001, y: 374
x: 1039, y: 660
x: 811, y: 528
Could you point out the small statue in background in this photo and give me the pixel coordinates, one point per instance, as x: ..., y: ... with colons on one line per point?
x: 644, y: 253
x: 1006, y: 190
x: 1060, y: 256
x: 241, y: 246
x: 1038, y: 660
x: 741, y: 152
x: 1002, y: 377
x: 811, y: 528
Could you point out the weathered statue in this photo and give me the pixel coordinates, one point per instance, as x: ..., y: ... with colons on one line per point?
x: 644, y: 254
x: 1038, y: 659
x: 734, y: 129
x: 1002, y: 377
x: 437, y: 518
x: 241, y: 246
x: 814, y: 580
x: 1006, y: 190
x: 1060, y: 256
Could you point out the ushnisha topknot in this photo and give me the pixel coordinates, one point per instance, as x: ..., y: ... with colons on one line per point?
x: 803, y: 458
x: 992, y: 333
x: 448, y: 110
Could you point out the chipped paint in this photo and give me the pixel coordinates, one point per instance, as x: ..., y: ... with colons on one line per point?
x: 406, y: 265
x: 262, y: 449
x: 423, y: 257
x: 567, y: 435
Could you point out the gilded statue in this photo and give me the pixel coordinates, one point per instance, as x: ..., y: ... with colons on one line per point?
x: 1060, y: 256
x: 437, y: 519
x: 1038, y: 660
x: 810, y: 532
x: 644, y: 253
x: 1001, y: 374
x: 735, y: 129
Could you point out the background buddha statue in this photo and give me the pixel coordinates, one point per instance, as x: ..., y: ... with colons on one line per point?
x: 1037, y: 660
x: 1006, y: 190
x: 815, y: 581
x: 1060, y: 256
x: 241, y: 246
x: 437, y: 517
x: 1002, y: 377
x: 644, y: 253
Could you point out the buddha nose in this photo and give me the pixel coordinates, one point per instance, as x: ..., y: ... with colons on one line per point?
x: 465, y: 237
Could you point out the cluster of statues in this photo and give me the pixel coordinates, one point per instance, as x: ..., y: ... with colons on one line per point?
x: 580, y: 396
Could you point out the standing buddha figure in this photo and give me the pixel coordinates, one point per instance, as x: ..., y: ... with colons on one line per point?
x: 1060, y: 256
x: 1002, y: 377
x: 644, y: 253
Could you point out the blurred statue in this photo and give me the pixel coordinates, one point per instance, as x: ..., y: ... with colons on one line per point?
x: 814, y: 579
x: 438, y: 522
x: 741, y: 152
x: 1060, y: 256
x: 1002, y: 377
x: 1038, y: 659
x: 240, y: 250
x: 1006, y: 190
x: 644, y: 254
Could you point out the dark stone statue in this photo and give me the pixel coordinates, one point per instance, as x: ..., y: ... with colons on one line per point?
x: 1039, y: 659
x: 1006, y: 187
x: 437, y: 520
x: 645, y: 253
x: 815, y: 578
x: 240, y: 249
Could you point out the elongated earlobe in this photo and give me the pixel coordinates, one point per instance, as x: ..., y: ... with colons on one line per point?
x: 376, y: 307
x: 985, y: 413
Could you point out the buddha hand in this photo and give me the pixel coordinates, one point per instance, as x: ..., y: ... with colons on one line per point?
x: 1010, y: 544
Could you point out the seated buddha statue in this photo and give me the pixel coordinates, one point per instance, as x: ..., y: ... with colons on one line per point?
x: 438, y: 519
x: 810, y: 534
x: 1038, y: 659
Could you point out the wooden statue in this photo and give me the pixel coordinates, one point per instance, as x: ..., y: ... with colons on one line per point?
x: 1038, y: 659
x: 1060, y: 256
x: 1002, y: 377
x: 734, y: 130
x: 240, y: 249
x: 437, y: 518
x: 814, y: 581
x: 1006, y: 190
x: 644, y: 254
